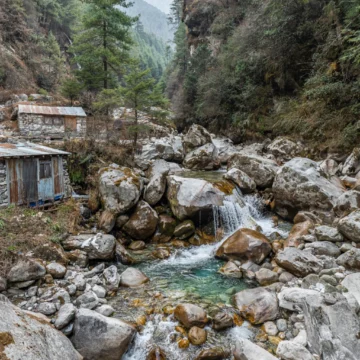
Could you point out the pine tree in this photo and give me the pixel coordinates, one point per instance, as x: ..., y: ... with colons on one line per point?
x: 101, y: 47
x: 71, y: 89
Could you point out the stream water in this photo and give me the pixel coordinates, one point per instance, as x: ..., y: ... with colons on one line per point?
x: 192, y: 275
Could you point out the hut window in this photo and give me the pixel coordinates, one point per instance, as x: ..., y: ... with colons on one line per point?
x: 45, y: 170
x: 58, y: 121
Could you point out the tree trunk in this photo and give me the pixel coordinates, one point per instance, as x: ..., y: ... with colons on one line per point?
x: 105, y: 64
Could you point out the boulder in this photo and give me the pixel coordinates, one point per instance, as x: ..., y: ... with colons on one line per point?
x: 3, y: 284
x: 297, y: 262
x: 195, y: 137
x: 197, y: 336
x: 266, y: 277
x: 137, y: 245
x: 98, y: 337
x: 156, y: 187
x: 203, y: 158
x: 347, y: 202
x: 156, y: 353
x: 352, y: 284
x: 120, y: 189
x: 299, y: 230
x: 184, y: 230
x: 260, y: 169
x: 132, y: 277
x: 349, y: 226
x: 231, y: 269
x: 299, y: 185
x: 49, y: 253
x: 190, y: 315
x: 284, y: 149
x: 111, y: 277
x: 99, y: 247
x: 352, y: 163
x: 328, y: 233
x: 245, y: 183
x: 165, y: 230
x: 324, y: 248
x: 291, y: 350
x: 87, y: 300
x: 78, y: 258
x: 143, y: 222
x: 105, y: 310
x: 216, y: 353
x: 245, y: 244
x: 57, y: 271
x: 26, y: 336
x: 350, y: 259
x: 257, y: 305
x: 187, y: 197
x: 46, y: 308
x: 246, y: 350
x: 222, y: 321
x: 65, y: 315
x: 107, y: 221
x: 26, y: 270
x: 226, y: 149
x: 293, y: 298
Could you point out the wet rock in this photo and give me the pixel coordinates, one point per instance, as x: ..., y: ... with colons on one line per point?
x: 291, y: 350
x: 246, y: 350
x: 190, y: 315
x: 166, y: 228
x: 184, y: 230
x: 245, y: 183
x: 260, y: 169
x: 99, y: 337
x: 183, y: 343
x: 203, y: 158
x: 26, y: 270
x: 298, y: 231
x: 120, y: 189
x: 324, y: 248
x: 328, y: 233
x: 299, y: 185
x: 46, y: 308
x: 347, y: 202
x: 23, y: 336
x: 156, y: 353
x: 350, y: 259
x: 196, y: 136
x: 57, y: 271
x: 111, y: 277
x: 222, y: 321
x: 142, y: 223
x: 216, y: 353
x: 197, y: 336
x: 49, y: 253
x: 132, y: 277
x: 257, y: 305
x: 65, y: 315
x: 187, y: 197
x: 105, y: 310
x: 137, y: 245
x: 349, y: 226
x: 161, y: 253
x: 266, y: 277
x: 107, y: 221
x: 122, y: 255
x: 297, y: 262
x: 245, y: 244
x: 121, y: 221
x: 231, y: 269
x: 88, y: 300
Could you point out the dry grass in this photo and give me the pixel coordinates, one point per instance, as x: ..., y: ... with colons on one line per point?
x: 22, y: 229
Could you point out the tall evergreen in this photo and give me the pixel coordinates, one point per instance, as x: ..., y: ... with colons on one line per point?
x: 101, y: 48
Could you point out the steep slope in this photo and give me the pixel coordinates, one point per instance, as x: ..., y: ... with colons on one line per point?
x: 163, y: 5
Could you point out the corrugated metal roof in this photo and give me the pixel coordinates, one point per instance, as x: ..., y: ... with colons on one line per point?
x: 8, y: 150
x: 52, y: 110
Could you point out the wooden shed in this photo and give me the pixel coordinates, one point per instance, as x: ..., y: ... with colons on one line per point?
x: 31, y: 174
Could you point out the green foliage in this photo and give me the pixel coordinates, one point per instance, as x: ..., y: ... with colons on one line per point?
x: 71, y: 89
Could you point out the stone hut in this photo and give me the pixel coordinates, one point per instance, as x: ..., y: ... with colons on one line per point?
x: 33, y: 175
x: 51, y: 122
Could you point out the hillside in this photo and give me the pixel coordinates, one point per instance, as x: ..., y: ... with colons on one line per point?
x: 251, y: 68
x: 163, y: 5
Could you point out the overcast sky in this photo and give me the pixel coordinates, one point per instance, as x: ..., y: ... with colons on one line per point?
x: 163, y: 5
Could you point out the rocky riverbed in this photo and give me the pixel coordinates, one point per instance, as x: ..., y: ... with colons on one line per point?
x: 203, y: 250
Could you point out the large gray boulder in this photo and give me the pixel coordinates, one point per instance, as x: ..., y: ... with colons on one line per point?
x: 111, y: 277
x: 260, y: 169
x: 26, y: 270
x: 297, y: 262
x: 257, y: 305
x: 352, y: 284
x: 65, y: 315
x: 352, y: 163
x: 26, y: 336
x: 226, y: 149
x: 195, y: 137
x: 245, y: 183
x: 142, y: 223
x: 328, y: 233
x: 349, y: 226
x: 187, y: 197
x: 284, y: 148
x: 323, y: 248
x: 293, y: 298
x: 98, y: 337
x: 299, y: 185
x: 291, y: 350
x: 347, y: 202
x: 203, y: 158
x: 246, y: 350
x: 120, y: 188
x: 157, y: 174
x: 350, y: 259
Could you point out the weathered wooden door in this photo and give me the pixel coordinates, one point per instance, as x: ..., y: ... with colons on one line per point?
x: 58, y: 176
x: 46, y: 184
x: 70, y: 124
x: 13, y: 171
x: 30, y: 181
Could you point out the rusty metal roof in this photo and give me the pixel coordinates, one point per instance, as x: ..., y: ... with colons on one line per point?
x: 8, y: 150
x: 51, y: 110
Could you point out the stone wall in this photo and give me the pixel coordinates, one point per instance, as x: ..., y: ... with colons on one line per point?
x: 3, y: 185
x: 67, y: 184
x: 34, y: 125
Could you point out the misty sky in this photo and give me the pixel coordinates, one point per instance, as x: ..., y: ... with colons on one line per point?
x: 163, y: 5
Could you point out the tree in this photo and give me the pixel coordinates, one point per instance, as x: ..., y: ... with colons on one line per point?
x: 71, y: 89
x: 101, y: 47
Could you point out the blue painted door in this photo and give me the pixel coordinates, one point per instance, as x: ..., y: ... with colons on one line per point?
x: 46, y: 183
